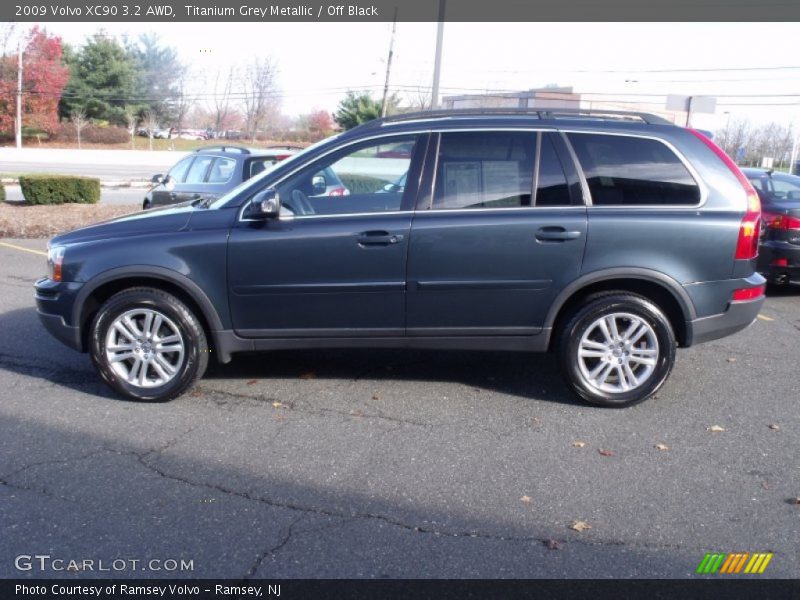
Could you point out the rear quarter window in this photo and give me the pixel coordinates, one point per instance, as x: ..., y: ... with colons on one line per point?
x: 631, y: 171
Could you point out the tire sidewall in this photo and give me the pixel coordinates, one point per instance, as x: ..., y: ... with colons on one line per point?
x: 178, y: 314
x: 584, y: 318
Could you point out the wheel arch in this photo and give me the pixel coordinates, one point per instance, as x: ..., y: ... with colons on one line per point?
x: 657, y: 287
x: 95, y: 292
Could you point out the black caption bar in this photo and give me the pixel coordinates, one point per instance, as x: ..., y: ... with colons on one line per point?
x: 407, y: 10
x: 348, y: 589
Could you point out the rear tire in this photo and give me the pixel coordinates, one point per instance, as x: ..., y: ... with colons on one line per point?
x: 617, y: 349
x: 148, y: 345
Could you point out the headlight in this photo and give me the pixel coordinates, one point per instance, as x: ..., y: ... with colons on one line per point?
x: 55, y: 258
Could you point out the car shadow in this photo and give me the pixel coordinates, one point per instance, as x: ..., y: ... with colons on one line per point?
x: 532, y: 376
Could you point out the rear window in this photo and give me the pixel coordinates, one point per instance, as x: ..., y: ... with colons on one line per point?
x: 631, y: 171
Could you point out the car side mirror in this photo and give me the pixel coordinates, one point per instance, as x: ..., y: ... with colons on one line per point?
x: 157, y: 179
x: 265, y: 205
x: 319, y: 185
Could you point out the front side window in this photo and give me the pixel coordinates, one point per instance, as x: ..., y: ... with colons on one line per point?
x: 477, y: 169
x: 628, y: 171
x: 366, y: 178
x: 178, y: 172
x: 199, y: 169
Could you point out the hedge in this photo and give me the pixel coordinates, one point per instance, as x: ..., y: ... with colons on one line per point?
x: 59, y: 189
x: 362, y: 184
x: 2, y: 193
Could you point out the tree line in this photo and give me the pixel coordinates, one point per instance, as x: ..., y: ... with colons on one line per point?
x: 748, y: 143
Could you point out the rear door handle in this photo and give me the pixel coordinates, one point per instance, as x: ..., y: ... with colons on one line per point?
x: 378, y: 238
x: 556, y: 234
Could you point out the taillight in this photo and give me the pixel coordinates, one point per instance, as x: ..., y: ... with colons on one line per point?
x: 749, y: 230
x: 339, y: 191
x: 748, y: 293
x: 280, y: 157
x: 782, y: 222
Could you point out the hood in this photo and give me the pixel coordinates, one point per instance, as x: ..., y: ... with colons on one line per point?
x: 155, y: 220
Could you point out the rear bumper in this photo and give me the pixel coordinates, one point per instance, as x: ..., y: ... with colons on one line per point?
x: 772, y: 252
x: 738, y: 316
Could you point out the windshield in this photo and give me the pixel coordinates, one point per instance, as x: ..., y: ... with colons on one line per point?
x: 254, y: 181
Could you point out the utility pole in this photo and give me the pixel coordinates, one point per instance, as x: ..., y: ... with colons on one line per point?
x: 18, y: 123
x: 689, y: 110
x: 437, y: 62
x: 795, y: 148
x: 389, y: 65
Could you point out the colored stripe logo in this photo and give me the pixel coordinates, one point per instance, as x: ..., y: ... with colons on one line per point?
x: 734, y: 563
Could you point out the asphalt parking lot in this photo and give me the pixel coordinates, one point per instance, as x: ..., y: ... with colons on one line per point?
x: 397, y: 464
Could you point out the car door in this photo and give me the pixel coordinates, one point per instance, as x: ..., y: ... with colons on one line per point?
x: 499, y: 233
x: 330, y: 266
x: 195, y: 182
x: 160, y: 194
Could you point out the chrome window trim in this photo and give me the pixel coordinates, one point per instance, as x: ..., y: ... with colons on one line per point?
x: 691, y: 170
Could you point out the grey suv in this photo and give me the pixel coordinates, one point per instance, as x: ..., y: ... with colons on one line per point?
x: 610, y: 239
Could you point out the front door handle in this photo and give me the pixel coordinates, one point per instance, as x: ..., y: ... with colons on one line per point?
x: 556, y: 234
x: 378, y: 238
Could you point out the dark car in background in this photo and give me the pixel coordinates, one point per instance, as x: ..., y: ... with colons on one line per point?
x: 609, y: 239
x: 779, y: 250
x: 209, y: 172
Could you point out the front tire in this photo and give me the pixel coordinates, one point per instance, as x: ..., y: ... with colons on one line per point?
x: 617, y: 349
x: 148, y: 345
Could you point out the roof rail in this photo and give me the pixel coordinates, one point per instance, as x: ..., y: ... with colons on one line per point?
x: 239, y: 149
x: 541, y: 113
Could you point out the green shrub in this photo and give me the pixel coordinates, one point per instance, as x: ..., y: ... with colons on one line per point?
x: 58, y: 189
x: 2, y: 193
x: 362, y: 184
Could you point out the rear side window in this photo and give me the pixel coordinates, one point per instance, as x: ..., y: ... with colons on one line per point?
x: 631, y: 171
x: 485, y: 170
x: 222, y: 171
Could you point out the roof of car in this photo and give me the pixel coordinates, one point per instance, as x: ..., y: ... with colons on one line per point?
x: 228, y: 150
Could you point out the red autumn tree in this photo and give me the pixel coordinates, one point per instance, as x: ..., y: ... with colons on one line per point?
x: 320, y: 121
x: 44, y: 76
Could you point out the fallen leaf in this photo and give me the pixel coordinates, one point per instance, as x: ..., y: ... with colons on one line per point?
x: 580, y: 526
x: 357, y: 413
x: 604, y: 452
x: 732, y: 359
x: 716, y: 429
x: 309, y: 375
x: 277, y: 404
x: 280, y: 418
x: 578, y: 444
x: 553, y: 545
x: 662, y: 447
x: 774, y: 426
x: 252, y: 382
x: 376, y: 397
x: 765, y: 484
x: 196, y: 393
x: 526, y: 499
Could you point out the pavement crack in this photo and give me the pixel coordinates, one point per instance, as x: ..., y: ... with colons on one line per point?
x: 274, y: 549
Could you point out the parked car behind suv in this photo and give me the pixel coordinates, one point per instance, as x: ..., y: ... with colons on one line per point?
x: 779, y: 253
x: 609, y: 239
x: 209, y: 172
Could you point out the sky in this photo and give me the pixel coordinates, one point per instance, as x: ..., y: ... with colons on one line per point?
x: 318, y: 62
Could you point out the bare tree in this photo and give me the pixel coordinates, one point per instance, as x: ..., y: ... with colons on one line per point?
x: 221, y: 98
x: 260, y: 95
x: 419, y: 99
x: 79, y: 121
x: 150, y: 122
x: 131, y: 119
x: 184, y: 100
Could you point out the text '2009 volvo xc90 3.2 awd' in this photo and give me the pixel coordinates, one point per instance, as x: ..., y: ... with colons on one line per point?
x: 608, y: 238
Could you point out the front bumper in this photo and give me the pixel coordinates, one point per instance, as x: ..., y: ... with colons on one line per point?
x: 54, y: 304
